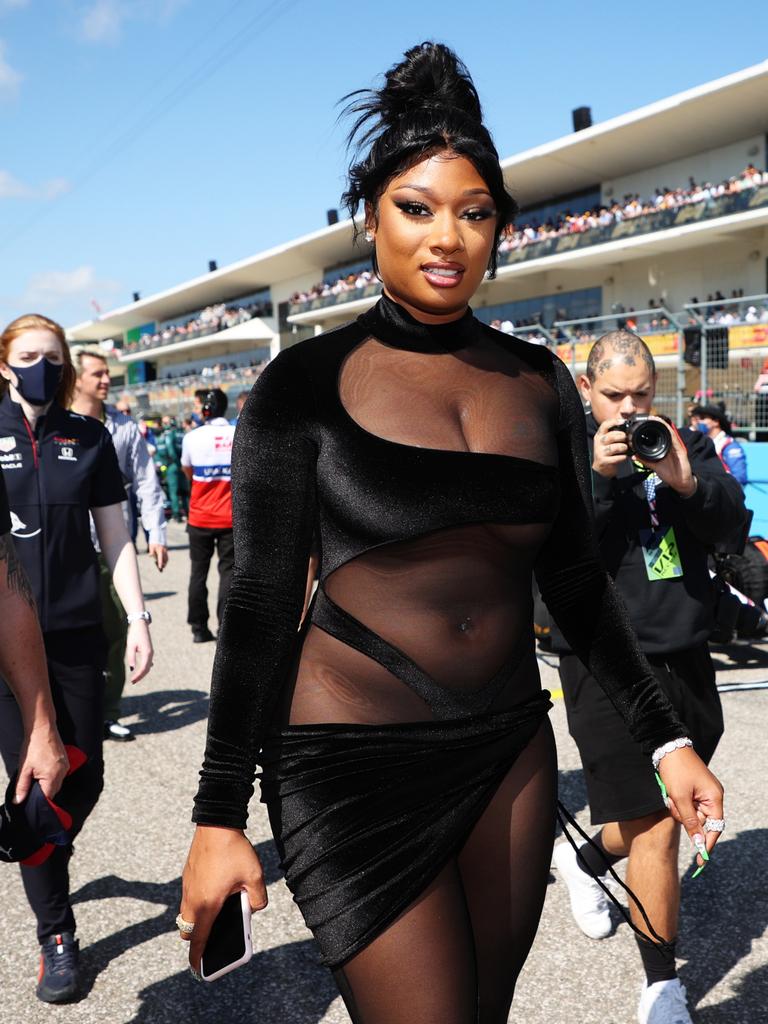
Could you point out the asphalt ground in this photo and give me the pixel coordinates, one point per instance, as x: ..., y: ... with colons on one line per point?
x: 126, y: 878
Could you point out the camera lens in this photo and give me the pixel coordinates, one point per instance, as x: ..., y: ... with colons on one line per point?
x: 649, y: 439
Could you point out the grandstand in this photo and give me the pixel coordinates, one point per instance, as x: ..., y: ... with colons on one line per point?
x: 657, y: 219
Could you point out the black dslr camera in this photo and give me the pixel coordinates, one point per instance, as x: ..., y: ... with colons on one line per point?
x: 647, y: 438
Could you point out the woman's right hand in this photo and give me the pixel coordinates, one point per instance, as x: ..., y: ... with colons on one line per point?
x: 220, y: 862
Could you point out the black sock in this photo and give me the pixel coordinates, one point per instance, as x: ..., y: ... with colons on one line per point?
x: 595, y: 857
x: 659, y: 964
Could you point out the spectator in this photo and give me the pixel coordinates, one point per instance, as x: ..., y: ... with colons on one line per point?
x: 140, y: 480
x: 206, y: 457
x: 711, y: 420
x: 239, y: 403
x: 169, y: 448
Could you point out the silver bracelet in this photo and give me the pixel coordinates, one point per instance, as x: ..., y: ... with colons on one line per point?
x: 667, y: 748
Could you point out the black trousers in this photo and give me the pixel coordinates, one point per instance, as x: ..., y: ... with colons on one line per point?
x: 202, y: 544
x: 76, y: 662
x: 620, y: 782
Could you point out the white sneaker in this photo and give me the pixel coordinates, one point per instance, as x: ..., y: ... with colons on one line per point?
x: 589, y: 903
x: 664, y: 1002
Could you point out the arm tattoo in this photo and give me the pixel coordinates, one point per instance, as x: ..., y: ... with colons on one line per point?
x: 17, y: 580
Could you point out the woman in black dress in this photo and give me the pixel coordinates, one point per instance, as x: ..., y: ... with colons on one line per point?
x: 408, y: 763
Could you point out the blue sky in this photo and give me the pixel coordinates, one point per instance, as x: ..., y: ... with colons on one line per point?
x: 142, y: 138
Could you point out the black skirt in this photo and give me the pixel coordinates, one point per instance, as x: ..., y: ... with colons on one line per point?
x: 366, y: 816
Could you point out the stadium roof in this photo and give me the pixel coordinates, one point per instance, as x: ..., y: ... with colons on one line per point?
x: 736, y: 106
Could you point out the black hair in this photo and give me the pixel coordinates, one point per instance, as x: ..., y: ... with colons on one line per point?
x: 712, y: 412
x: 214, y: 404
x: 428, y: 103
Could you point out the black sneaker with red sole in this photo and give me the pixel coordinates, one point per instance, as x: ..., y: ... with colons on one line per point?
x: 59, y: 978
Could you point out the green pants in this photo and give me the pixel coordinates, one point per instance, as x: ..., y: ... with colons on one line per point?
x: 116, y: 631
x: 177, y: 486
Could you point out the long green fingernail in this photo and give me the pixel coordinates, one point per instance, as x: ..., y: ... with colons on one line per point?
x: 662, y: 787
x: 701, y: 848
x: 698, y: 871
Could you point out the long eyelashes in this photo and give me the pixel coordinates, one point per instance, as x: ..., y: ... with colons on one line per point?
x: 412, y: 209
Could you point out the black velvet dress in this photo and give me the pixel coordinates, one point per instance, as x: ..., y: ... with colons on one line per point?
x: 437, y: 467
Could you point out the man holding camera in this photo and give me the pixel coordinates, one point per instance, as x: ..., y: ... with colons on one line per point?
x: 662, y: 500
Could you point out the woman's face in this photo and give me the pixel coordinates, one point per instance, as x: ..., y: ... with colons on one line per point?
x: 29, y: 348
x: 434, y: 229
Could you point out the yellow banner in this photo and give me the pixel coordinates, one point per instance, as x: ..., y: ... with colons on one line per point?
x: 659, y: 344
x: 748, y: 335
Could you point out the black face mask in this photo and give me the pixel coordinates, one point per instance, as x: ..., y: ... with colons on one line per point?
x: 38, y: 383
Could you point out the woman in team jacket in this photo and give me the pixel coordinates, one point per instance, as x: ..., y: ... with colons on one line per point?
x: 58, y: 467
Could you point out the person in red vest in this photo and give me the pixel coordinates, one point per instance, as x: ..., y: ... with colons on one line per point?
x: 206, y: 455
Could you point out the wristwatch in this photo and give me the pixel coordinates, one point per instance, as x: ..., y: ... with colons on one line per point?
x: 135, y: 616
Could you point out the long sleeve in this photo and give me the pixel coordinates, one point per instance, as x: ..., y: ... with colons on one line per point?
x: 274, y: 513
x: 148, y: 489
x: 716, y: 510
x: 581, y: 596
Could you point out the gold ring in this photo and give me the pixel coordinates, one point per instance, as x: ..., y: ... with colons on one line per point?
x: 186, y: 927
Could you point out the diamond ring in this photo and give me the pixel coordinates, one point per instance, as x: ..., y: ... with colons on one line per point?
x: 714, y: 824
x: 186, y: 927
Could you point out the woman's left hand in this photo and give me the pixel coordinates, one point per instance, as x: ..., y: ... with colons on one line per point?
x: 138, y: 650
x: 694, y: 795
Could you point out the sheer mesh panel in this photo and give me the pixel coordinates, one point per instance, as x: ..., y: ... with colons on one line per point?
x: 456, y: 601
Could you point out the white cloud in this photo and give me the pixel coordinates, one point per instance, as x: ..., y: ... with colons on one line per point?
x: 10, y: 79
x: 12, y: 188
x: 53, y: 286
x: 102, y: 21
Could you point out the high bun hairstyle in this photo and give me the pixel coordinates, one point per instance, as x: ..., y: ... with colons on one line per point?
x: 428, y: 104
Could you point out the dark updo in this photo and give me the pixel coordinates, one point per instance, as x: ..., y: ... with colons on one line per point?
x: 428, y: 103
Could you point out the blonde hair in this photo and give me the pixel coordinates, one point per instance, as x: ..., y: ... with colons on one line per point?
x: 37, y: 322
x: 83, y: 352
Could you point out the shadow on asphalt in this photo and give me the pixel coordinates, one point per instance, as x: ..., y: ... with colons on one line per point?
x: 277, y: 971
x: 733, y: 657
x: 719, y: 921
x: 286, y: 985
x: 745, y: 1007
x: 572, y: 791
x: 155, y: 595
x: 164, y: 710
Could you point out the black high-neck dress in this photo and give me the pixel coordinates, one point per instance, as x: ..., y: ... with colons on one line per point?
x: 438, y: 467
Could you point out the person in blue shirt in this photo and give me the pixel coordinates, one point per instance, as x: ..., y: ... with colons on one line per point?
x: 711, y: 420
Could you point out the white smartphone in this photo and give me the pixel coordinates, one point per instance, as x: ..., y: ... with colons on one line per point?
x: 229, y: 942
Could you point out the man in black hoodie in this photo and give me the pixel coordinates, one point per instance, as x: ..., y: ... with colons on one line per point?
x: 655, y: 524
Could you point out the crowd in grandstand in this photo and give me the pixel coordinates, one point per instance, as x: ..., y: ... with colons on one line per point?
x: 632, y: 206
x: 208, y: 321
x: 350, y: 283
x: 629, y: 207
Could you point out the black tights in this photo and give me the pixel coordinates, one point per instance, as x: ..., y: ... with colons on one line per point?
x: 454, y: 955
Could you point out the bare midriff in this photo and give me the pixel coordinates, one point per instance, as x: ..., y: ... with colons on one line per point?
x: 457, y: 602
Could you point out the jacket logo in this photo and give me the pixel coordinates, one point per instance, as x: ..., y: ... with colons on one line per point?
x: 17, y: 526
x: 7, y: 444
x: 67, y: 454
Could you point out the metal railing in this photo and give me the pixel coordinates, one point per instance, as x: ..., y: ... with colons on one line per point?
x: 712, y: 352
x: 176, y: 395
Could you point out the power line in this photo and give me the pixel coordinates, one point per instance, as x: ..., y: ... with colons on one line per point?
x: 271, y: 13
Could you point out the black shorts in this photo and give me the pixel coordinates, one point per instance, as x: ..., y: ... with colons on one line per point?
x: 620, y: 781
